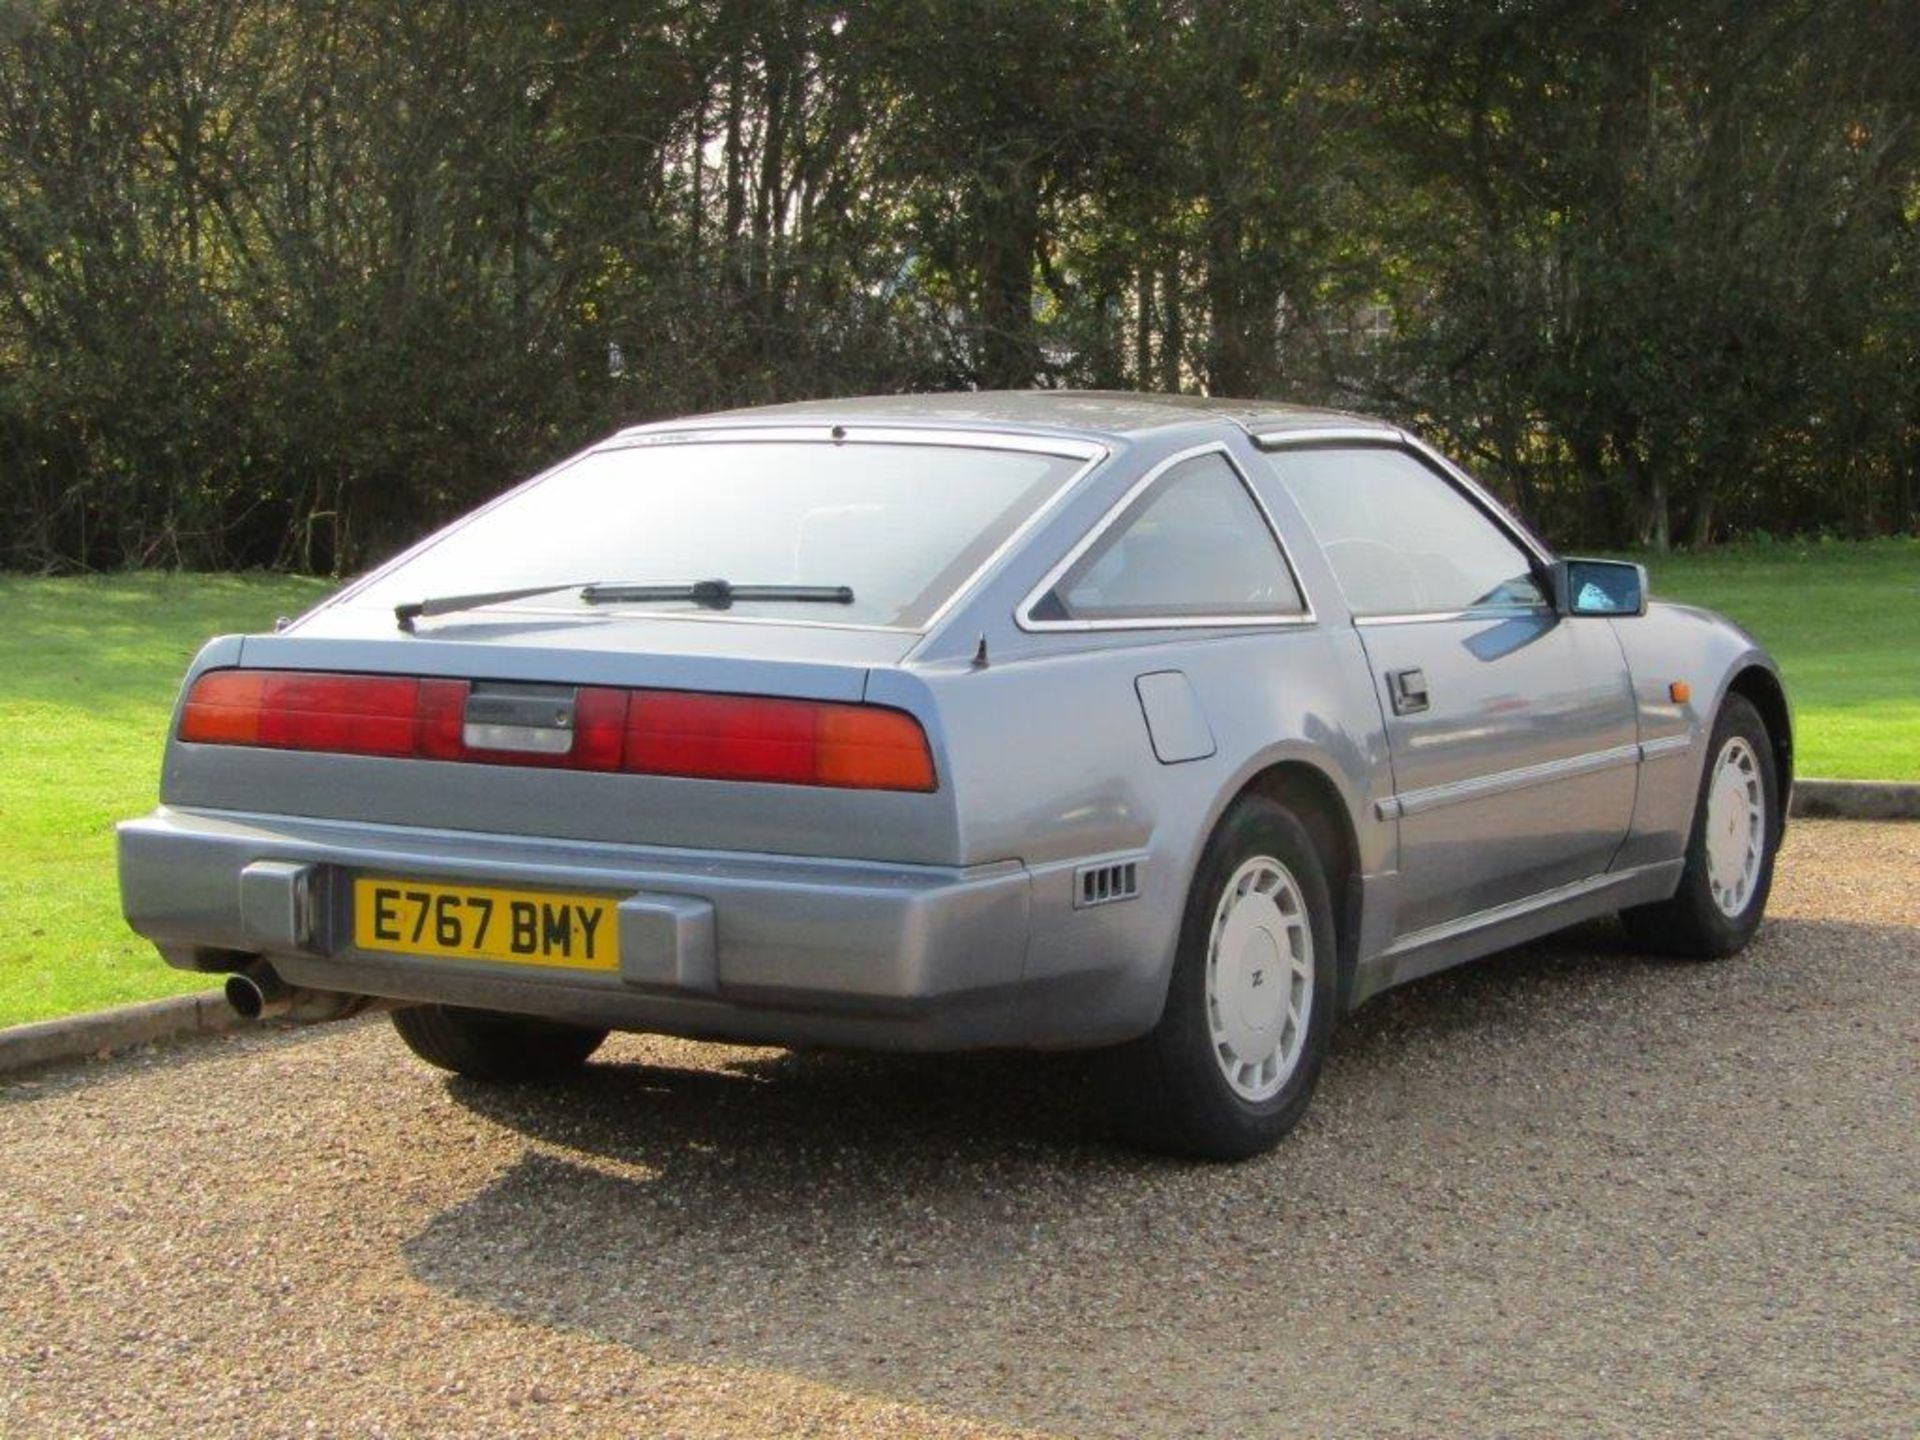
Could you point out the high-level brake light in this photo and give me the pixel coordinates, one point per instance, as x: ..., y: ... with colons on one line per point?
x: 642, y: 732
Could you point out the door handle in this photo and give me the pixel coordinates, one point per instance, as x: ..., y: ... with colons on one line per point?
x: 1408, y: 689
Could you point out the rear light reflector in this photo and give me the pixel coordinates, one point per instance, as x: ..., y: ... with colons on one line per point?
x: 642, y: 732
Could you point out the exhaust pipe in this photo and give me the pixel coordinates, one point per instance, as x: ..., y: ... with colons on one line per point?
x: 258, y: 993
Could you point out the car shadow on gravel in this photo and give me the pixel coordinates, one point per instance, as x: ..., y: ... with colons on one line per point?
x: 1042, y: 1109
x: 941, y: 1229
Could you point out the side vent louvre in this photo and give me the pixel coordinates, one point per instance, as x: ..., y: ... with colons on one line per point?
x: 1104, y: 884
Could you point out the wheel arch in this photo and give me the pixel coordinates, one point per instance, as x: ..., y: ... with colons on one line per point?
x: 1762, y: 689
x: 1310, y: 793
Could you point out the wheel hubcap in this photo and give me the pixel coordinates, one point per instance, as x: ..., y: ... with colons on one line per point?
x: 1736, y: 827
x: 1259, y: 978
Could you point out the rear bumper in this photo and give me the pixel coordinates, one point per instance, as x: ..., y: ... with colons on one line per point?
x: 754, y: 948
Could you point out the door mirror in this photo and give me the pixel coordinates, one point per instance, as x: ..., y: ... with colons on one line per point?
x: 1599, y: 587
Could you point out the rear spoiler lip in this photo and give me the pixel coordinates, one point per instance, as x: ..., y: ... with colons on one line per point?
x: 631, y: 669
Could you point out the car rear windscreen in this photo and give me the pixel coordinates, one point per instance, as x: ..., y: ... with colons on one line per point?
x: 903, y: 525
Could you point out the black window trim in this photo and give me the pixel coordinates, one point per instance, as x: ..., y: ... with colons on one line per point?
x: 1025, y: 618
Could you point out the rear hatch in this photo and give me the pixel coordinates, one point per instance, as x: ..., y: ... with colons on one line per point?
x: 512, y: 662
x: 630, y: 582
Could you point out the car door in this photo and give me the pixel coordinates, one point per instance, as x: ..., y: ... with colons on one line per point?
x: 1511, y: 728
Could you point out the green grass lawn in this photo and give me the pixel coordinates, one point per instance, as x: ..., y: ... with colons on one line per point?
x: 88, y: 670
x: 1844, y: 622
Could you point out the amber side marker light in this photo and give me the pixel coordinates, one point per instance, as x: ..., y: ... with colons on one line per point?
x: 638, y: 732
x: 1680, y: 692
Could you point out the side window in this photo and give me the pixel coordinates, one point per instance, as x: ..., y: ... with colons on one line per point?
x: 1400, y: 538
x: 1194, y: 545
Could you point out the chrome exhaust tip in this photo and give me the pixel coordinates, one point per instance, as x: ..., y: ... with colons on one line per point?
x: 258, y: 993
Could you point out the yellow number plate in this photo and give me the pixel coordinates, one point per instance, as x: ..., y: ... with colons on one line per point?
x: 464, y: 922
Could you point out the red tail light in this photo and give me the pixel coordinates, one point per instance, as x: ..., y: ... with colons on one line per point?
x: 644, y: 732
x: 790, y: 742
x: 295, y: 710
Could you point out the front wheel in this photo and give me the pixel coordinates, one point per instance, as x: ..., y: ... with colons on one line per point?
x: 1232, y: 1064
x: 492, y: 1045
x: 1730, y: 850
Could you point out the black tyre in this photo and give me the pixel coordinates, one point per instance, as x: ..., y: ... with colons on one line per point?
x: 1730, y: 851
x: 1232, y: 1064
x: 489, y: 1045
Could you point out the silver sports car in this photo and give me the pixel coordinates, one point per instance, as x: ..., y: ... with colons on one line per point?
x: 1171, y: 727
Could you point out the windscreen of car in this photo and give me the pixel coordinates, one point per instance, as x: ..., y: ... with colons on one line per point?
x: 903, y: 525
x: 1400, y: 538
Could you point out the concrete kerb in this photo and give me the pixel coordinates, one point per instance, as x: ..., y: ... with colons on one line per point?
x: 1856, y: 799
x: 105, y: 1032
x: 77, y: 1037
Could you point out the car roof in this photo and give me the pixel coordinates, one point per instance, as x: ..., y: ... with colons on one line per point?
x: 1100, y: 413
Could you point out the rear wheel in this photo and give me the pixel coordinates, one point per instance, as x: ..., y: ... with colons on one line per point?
x: 490, y: 1045
x: 1730, y: 851
x: 1232, y: 1064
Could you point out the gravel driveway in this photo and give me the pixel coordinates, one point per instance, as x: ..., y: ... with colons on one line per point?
x: 1569, y: 1190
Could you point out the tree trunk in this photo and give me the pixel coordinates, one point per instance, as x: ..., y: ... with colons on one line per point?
x: 1143, y: 330
x: 1009, y: 357
x: 1103, y: 358
x: 733, y: 273
x: 696, y: 204
x: 769, y: 194
x: 1700, y: 534
x: 1226, y: 348
x: 1173, y: 339
x: 1518, y: 474
x: 1656, y: 521
x: 1906, y: 494
x: 522, y: 264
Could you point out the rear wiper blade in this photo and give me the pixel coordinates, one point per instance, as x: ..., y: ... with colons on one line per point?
x: 715, y: 594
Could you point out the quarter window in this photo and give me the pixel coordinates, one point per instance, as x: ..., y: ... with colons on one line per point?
x: 1194, y: 546
x: 1400, y: 538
